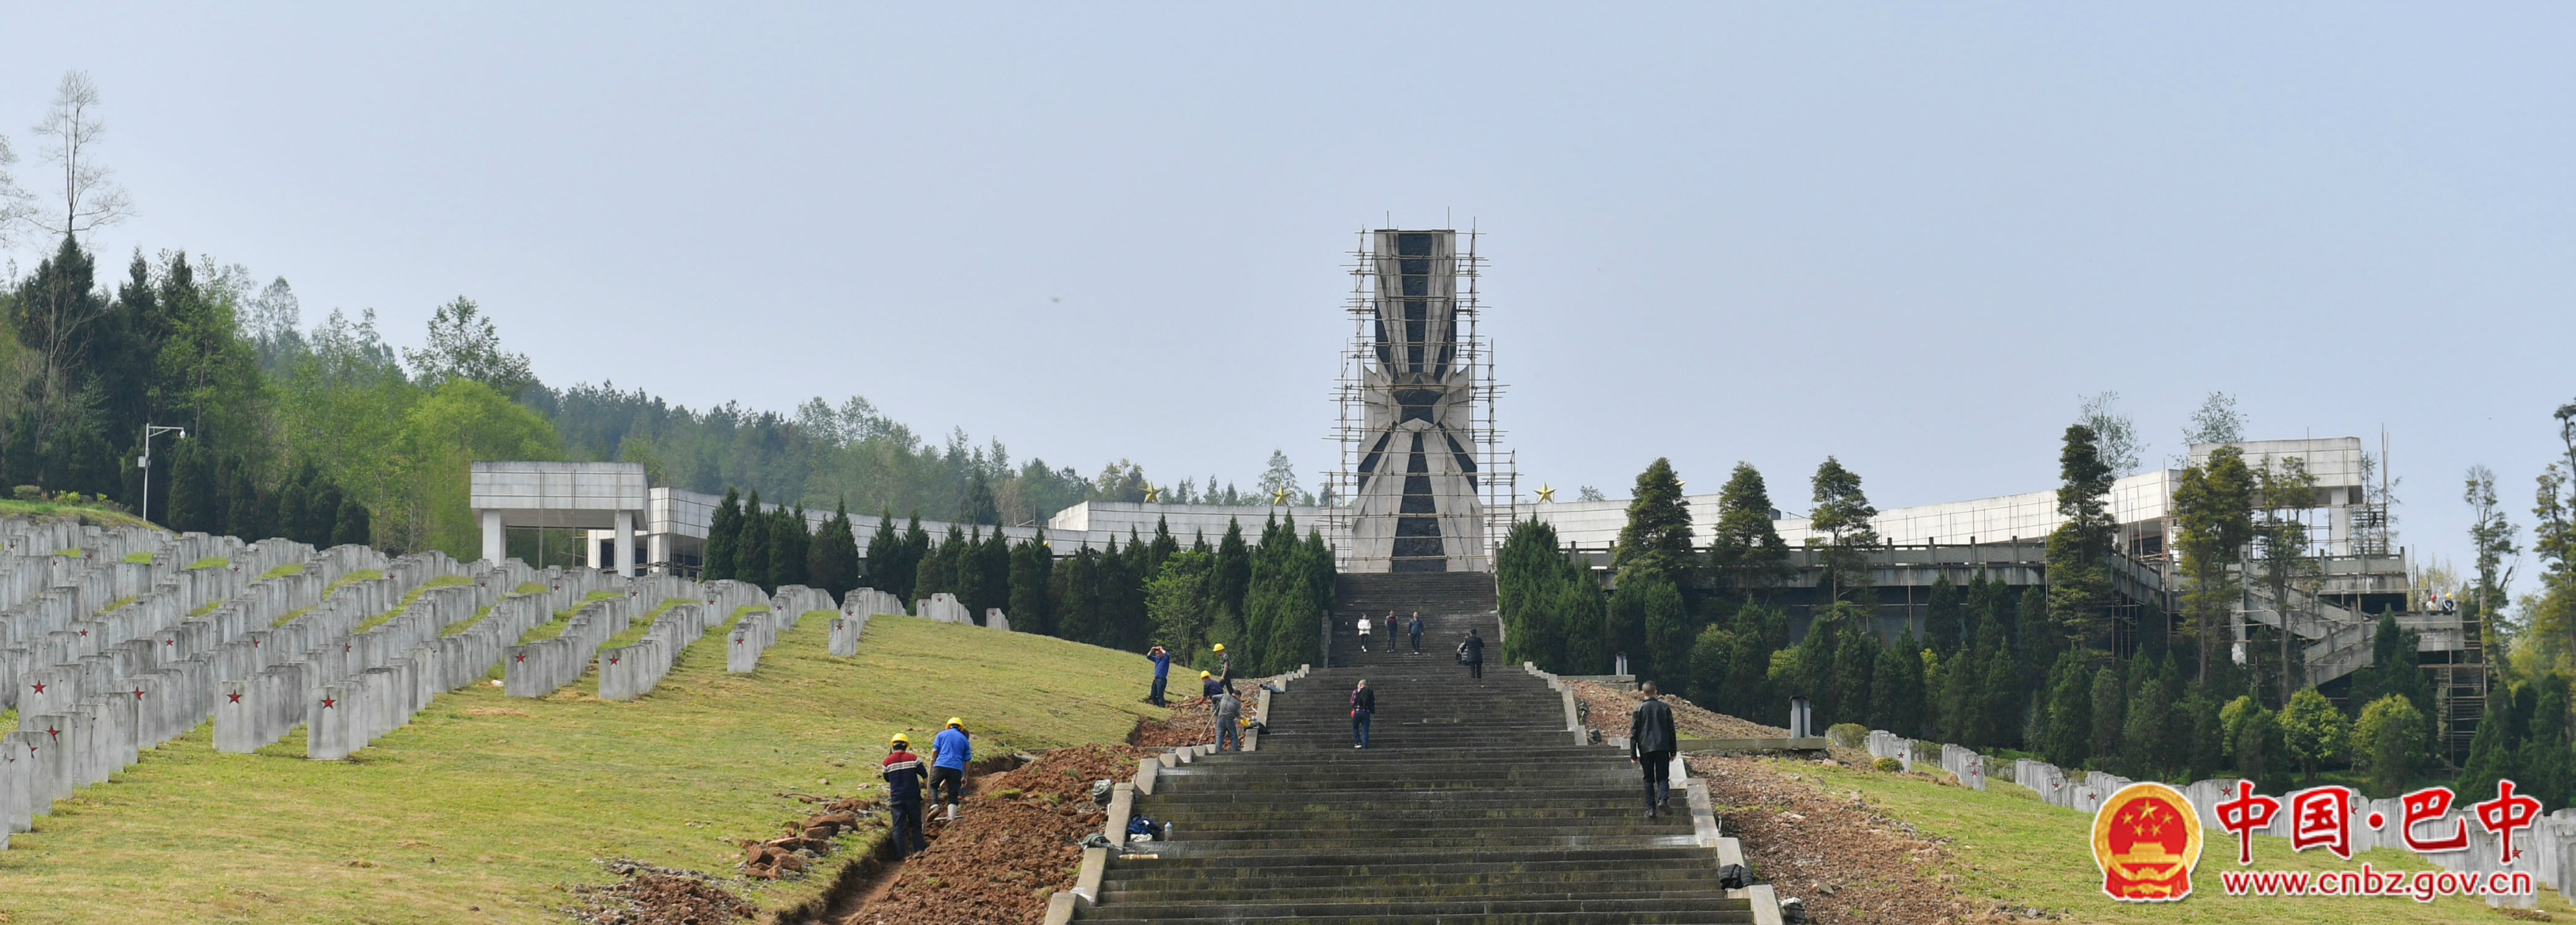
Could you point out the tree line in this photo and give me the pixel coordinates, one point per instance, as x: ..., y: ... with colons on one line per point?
x: 2064, y: 670
x: 1261, y: 600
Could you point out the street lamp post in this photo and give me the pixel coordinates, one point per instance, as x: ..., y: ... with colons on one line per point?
x: 145, y: 461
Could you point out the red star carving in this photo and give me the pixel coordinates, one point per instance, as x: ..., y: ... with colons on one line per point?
x: 169, y: 642
x: 254, y: 643
x: 138, y: 693
x: 612, y: 660
x: 521, y: 657
x: 84, y: 632
x: 51, y: 731
x: 40, y: 687
x: 236, y: 697
x: 327, y: 702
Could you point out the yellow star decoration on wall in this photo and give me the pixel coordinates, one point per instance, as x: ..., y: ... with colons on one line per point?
x: 1279, y: 496
x: 1153, y: 495
x: 1545, y: 493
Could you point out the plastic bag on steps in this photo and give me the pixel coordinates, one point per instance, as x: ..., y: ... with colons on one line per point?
x: 1734, y: 877
x: 1100, y: 792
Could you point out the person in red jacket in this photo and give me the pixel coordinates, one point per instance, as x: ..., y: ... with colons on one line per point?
x: 903, y: 776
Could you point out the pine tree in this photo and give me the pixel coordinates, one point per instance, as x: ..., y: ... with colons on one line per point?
x: 1812, y: 664
x: 2079, y: 550
x: 1712, y: 657
x: 1580, y: 609
x: 1657, y: 537
x: 1133, y: 624
x: 197, y: 506
x: 1759, y: 630
x: 1842, y: 513
x: 724, y: 536
x: 978, y: 507
x: 2204, y: 752
x: 1527, y: 571
x: 2145, y: 730
x: 751, y: 548
x: 916, y: 551
x: 1163, y: 547
x: 1744, y: 548
x: 355, y: 527
x: 2213, y: 511
x: 292, y: 497
x: 993, y: 571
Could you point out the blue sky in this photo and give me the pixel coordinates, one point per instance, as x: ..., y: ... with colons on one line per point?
x: 1907, y: 235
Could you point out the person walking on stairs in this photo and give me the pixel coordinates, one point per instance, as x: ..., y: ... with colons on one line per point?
x: 1364, y: 630
x: 1363, y: 705
x: 1651, y: 743
x: 949, y: 753
x: 1229, y: 735
x: 1162, y: 659
x: 1472, y: 653
x: 903, y: 777
x: 1415, y: 630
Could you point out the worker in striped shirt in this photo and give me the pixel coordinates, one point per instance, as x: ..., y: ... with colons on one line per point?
x: 903, y: 776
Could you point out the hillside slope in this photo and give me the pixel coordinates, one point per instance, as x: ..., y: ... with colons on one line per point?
x: 485, y: 806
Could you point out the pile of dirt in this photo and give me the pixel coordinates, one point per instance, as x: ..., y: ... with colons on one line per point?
x: 806, y: 841
x: 1609, y: 708
x: 1193, y: 721
x: 1016, y: 840
x: 1837, y: 854
x: 651, y: 895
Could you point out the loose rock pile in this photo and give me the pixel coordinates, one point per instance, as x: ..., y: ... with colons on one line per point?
x: 1845, y: 860
x: 651, y: 895
x: 806, y: 841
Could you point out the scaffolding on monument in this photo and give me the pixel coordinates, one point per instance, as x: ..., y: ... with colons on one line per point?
x: 1497, y: 478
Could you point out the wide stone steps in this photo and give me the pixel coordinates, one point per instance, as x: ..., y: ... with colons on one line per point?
x: 1472, y: 806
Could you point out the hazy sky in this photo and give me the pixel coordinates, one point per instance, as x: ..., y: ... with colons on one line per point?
x: 1908, y: 235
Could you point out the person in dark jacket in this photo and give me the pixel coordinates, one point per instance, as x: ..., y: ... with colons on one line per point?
x: 1414, y: 629
x: 903, y: 776
x: 1651, y: 743
x: 1363, y: 705
x: 1472, y: 652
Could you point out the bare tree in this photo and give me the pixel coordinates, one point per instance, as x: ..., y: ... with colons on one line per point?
x: 90, y: 198
x: 2115, y: 436
x: 17, y: 206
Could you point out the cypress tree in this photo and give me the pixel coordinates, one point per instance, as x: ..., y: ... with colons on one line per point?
x: 724, y: 535
x: 1163, y: 548
x: 1109, y: 579
x: 1759, y: 631
x: 1842, y: 513
x: 1712, y: 657
x: 1944, y: 617
x: 993, y: 569
x: 2144, y: 731
x: 1667, y: 630
x: 1896, y: 686
x: 751, y: 549
x: 321, y: 512
x: 916, y: 552
x: 1586, y: 621
x: 790, y: 546
x: 834, y: 563
x: 355, y: 527
x: 1077, y: 601
x: 1133, y: 626
x: 1032, y: 574
x: 2110, y: 698
x: 2005, y: 698
x: 1855, y: 662
x: 885, y: 553
x: 2203, y: 752
x: 2069, y: 729
x: 1812, y: 664
x: 2079, y: 550
x: 291, y: 498
x: 1231, y: 575
x: 1527, y: 570
x: 938, y: 571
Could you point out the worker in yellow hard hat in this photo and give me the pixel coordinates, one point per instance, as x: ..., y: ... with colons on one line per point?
x: 949, y: 752
x: 1224, y: 665
x: 903, y: 777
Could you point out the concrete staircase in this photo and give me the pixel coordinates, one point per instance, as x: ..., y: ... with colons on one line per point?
x: 1473, y: 803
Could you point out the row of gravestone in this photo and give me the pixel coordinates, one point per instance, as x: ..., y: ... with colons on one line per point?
x: 2547, y: 850
x: 351, y: 686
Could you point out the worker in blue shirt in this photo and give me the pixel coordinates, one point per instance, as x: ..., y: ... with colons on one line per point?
x: 1162, y: 659
x: 949, y: 752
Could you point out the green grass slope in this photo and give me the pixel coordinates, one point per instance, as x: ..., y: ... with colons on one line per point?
x: 484, y: 806
x: 2012, y: 848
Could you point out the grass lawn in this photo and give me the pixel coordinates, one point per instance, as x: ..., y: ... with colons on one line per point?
x: 490, y: 802
x: 2011, y: 847
x: 13, y: 509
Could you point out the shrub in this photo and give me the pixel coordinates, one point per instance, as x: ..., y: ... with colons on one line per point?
x: 1889, y: 765
x: 1847, y: 735
x: 27, y: 493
